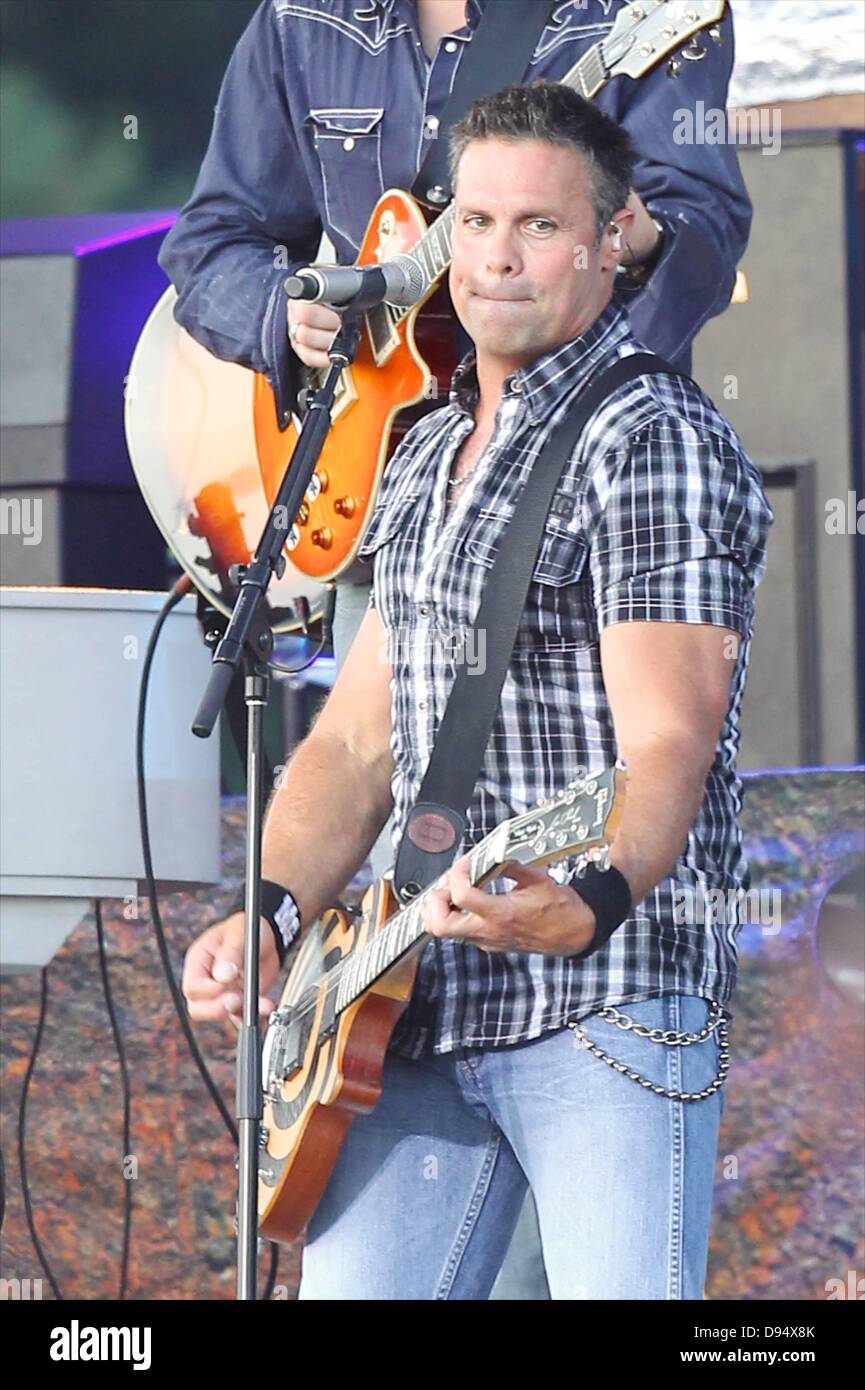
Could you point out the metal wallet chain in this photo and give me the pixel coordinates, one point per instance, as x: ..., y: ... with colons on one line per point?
x: 717, y: 1019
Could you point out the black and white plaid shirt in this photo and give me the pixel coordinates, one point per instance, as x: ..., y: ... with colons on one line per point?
x: 659, y: 516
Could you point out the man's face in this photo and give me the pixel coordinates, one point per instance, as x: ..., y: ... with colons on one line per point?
x: 525, y: 273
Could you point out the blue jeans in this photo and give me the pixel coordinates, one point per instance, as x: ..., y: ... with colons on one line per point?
x: 427, y: 1189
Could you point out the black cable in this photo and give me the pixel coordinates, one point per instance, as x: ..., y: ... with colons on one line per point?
x: 323, y: 640
x: 172, y: 601
x: 22, y: 1125
x: 124, y: 1081
x: 176, y: 594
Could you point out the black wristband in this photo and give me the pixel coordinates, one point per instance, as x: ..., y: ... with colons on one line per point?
x: 607, y: 893
x: 279, y: 910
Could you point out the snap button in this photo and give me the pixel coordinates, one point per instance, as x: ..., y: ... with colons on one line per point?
x: 348, y: 144
x: 431, y: 125
x: 450, y: 46
x: 424, y: 610
x: 421, y: 704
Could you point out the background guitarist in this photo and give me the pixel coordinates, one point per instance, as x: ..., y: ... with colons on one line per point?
x: 634, y: 642
x: 325, y: 104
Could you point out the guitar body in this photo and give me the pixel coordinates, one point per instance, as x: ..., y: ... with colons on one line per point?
x: 307, y: 1115
x: 402, y: 359
x: 188, y: 419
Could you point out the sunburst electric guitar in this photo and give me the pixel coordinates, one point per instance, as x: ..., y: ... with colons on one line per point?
x: 353, y: 976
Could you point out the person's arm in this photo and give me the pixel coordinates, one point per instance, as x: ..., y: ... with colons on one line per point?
x: 677, y: 523
x: 334, y: 797
x: 250, y: 221
x: 668, y: 686
x: 694, y: 189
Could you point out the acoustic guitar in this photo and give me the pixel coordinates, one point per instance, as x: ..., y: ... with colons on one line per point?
x: 352, y: 978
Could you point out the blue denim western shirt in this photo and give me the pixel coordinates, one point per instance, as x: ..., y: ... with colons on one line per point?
x: 325, y: 104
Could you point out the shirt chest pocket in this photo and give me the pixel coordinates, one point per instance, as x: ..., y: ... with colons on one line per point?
x: 559, y: 608
x: 348, y: 145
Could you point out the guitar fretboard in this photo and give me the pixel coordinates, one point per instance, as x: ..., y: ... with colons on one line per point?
x: 399, y: 934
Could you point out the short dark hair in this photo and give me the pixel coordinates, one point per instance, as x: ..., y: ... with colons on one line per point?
x: 552, y: 111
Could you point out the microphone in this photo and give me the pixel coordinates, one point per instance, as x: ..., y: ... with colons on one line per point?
x: 400, y: 281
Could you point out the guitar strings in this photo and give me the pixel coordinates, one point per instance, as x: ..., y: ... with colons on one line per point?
x: 335, y: 975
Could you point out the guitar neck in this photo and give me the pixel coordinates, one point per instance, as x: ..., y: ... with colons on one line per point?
x: 404, y: 932
x: 579, y: 821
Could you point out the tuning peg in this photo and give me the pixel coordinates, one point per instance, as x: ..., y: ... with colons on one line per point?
x: 715, y: 34
x: 693, y: 52
x: 674, y: 67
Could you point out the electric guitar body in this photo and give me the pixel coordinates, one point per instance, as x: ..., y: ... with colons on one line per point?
x: 404, y: 357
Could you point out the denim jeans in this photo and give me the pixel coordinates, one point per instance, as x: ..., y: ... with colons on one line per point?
x: 427, y: 1189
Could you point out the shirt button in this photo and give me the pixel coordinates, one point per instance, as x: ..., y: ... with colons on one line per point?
x: 421, y: 704
x: 348, y: 144
x: 450, y: 46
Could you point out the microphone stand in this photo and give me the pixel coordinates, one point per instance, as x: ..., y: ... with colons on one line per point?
x: 248, y: 636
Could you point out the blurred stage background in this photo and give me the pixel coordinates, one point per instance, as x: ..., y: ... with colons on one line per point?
x: 84, y: 209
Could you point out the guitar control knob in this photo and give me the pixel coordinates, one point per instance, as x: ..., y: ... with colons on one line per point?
x: 323, y: 536
x: 302, y: 514
x: 345, y: 506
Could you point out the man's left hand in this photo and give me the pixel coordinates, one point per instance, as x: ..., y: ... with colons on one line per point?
x: 538, y: 915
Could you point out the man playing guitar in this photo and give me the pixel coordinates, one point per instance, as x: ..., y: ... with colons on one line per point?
x: 325, y: 104
x: 634, y: 643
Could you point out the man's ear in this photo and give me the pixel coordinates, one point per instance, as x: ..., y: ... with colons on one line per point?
x: 614, y: 238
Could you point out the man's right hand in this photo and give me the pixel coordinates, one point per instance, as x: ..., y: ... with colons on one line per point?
x: 213, y: 971
x: 311, y: 330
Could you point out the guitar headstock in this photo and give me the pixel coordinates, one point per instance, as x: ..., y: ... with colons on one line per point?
x: 582, y: 820
x: 646, y: 31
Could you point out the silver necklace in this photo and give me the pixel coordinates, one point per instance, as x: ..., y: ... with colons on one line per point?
x: 458, y: 482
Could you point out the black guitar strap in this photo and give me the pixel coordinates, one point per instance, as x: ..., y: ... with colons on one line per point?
x: 437, y: 820
x: 499, y: 53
